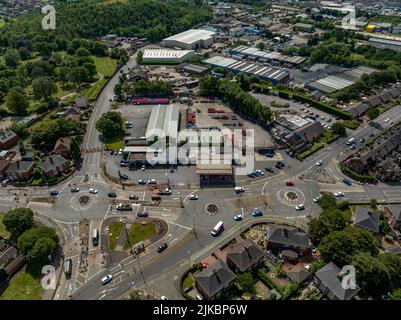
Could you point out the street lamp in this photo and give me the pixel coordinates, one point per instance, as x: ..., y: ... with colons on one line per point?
x: 189, y: 258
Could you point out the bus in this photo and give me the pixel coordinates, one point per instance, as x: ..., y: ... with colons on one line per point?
x: 95, y: 237
x: 218, y: 228
x: 68, y: 268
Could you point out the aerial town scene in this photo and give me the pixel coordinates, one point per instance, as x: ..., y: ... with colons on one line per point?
x: 195, y: 150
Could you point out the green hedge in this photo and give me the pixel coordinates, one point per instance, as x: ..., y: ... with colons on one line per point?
x: 316, y: 147
x: 197, y: 267
x: 352, y: 174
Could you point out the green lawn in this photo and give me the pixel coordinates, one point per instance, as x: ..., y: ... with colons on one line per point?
x: 140, y: 232
x: 3, y: 232
x: 23, y: 287
x: 105, y: 65
x: 115, y: 145
x: 115, y: 229
x: 188, y: 282
x: 92, y: 92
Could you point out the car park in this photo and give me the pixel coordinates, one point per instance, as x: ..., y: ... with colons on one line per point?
x: 257, y: 213
x: 92, y: 190
x: 193, y: 197
x: 74, y: 189
x: 106, y: 279
x: 142, y: 214
x: 238, y: 217
x: 162, y: 247
x: 112, y: 195
x: 339, y: 194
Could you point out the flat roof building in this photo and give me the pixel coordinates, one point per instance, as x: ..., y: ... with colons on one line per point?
x: 166, y: 56
x: 163, y: 121
x: 385, y: 44
x: 192, y: 39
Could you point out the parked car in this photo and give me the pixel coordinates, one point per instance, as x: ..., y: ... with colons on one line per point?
x: 112, y: 152
x: 54, y: 193
x: 193, y: 197
x: 141, y: 181
x: 143, y: 168
x: 316, y: 200
x: 280, y: 164
x: 152, y: 181
x: 238, y: 217
x: 251, y: 175
x: 120, y: 152
x: 257, y: 213
x: 133, y: 197
x: 162, y: 247
x: 339, y: 194
x: 239, y: 189
x: 74, y: 189
x: 123, y: 177
x: 106, y: 279
x: 142, y: 214
x: 260, y: 172
x: 269, y: 169
x: 112, y: 195
x: 92, y: 190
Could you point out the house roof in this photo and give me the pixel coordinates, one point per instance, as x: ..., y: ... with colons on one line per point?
x: 62, y: 144
x: 298, y: 274
x: 364, y: 218
x: 330, y: 277
x: 20, y: 166
x: 245, y: 254
x: 395, y: 211
x: 6, y: 136
x: 73, y: 110
x: 286, y: 236
x: 7, y: 256
x: 358, y: 109
x: 51, y: 163
x: 214, y: 278
x: 311, y: 130
x: 81, y: 102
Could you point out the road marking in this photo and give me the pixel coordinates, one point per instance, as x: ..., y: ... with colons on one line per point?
x: 179, y: 225
x: 190, y: 195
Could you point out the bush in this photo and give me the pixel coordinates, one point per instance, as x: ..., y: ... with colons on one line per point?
x: 356, y: 176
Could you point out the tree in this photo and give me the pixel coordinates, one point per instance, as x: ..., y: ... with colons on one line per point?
x: 339, y: 129
x: 330, y: 220
x: 82, y: 52
x: 371, y: 274
x: 373, y: 203
x: 43, y: 248
x: 43, y: 88
x: 110, y: 124
x: 373, y: 113
x: 246, y: 282
x: 27, y: 240
x: 396, y: 295
x: 261, y: 45
x: 16, y: 102
x: 24, y: 53
x: 19, y: 128
x: 11, y: 58
x: 21, y: 147
x: 75, y: 151
x: 393, y: 266
x: 17, y: 221
x: 91, y: 68
x: 327, y: 200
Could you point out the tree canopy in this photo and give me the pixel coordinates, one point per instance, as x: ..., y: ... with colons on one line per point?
x: 110, y: 124
x: 17, y: 221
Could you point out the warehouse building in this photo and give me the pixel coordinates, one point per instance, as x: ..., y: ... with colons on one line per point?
x: 275, y: 75
x: 163, y: 121
x: 304, y: 27
x: 195, y: 69
x: 332, y: 83
x: 385, y: 44
x: 267, y: 56
x: 192, y: 39
x: 166, y: 56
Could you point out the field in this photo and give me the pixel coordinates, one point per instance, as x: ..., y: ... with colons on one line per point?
x: 105, y: 65
x: 23, y: 287
x: 140, y: 232
x: 3, y: 232
x: 115, y: 229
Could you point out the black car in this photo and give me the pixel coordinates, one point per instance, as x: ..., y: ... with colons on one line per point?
x: 142, y: 214
x: 133, y: 197
x: 171, y: 169
x: 162, y: 247
x: 124, y: 177
x: 112, y: 195
x: 269, y: 169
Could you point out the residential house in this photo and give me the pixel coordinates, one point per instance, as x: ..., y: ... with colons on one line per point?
x: 329, y: 279
x: 366, y: 219
x: 62, y: 147
x: 214, y: 280
x: 28, y: 156
x: 282, y: 238
x: 8, y: 140
x: 20, y: 170
x: 82, y: 102
x: 54, y: 165
x: 358, y: 110
x: 298, y: 274
x: 244, y: 256
x: 392, y: 213
x: 73, y: 113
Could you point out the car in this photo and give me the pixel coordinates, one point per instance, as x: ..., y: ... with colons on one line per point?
x: 280, y: 164
x: 328, y: 120
x: 300, y: 207
x: 74, y: 189
x: 112, y: 195
x: 92, y: 190
x: 391, y: 122
x: 142, y: 214
x: 239, y: 189
x: 256, y: 173
x: 316, y: 200
x: 54, y: 193
x: 171, y: 169
x: 347, y: 182
x: 319, y: 163
x: 306, y: 111
x: 106, y: 279
x: 143, y: 168
x: 193, y: 197
x: 269, y: 169
x: 152, y: 181
x: 307, y: 267
x: 313, y: 248
x: 257, y: 213
x: 362, y: 140
x: 289, y: 183
x: 124, y: 163
x: 260, y: 172
x: 123, y: 177
x: 339, y: 194
x: 371, y: 134
x: 322, y: 117
x: 141, y: 181
x: 115, y: 152
x: 163, y: 298
x: 112, y: 152
x: 352, y: 147
x: 120, y: 152
x: 238, y: 217
x: 162, y: 247
x: 251, y: 175
x: 5, y: 182
x: 387, y: 120
x: 199, y: 297
x: 133, y: 197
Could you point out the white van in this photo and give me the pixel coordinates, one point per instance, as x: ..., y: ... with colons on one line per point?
x: 218, y: 228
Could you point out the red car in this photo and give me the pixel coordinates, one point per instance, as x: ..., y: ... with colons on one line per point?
x: 289, y: 183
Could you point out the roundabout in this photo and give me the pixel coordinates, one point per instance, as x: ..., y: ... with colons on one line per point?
x: 291, y: 196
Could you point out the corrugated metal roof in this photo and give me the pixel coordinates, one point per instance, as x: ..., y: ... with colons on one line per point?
x: 191, y: 36
x: 165, y: 53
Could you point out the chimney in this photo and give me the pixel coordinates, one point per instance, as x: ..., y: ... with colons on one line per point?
x: 341, y: 275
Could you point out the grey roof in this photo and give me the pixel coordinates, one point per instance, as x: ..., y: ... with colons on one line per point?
x: 81, y: 102
x: 395, y: 211
x: 52, y: 163
x: 287, y: 236
x: 20, y: 167
x: 364, y: 218
x: 7, y: 256
x: 214, y: 278
x: 5, y: 136
x: 358, y: 109
x: 245, y: 254
x: 312, y: 130
x: 394, y: 250
x: 298, y: 274
x: 330, y: 277
x: 373, y: 101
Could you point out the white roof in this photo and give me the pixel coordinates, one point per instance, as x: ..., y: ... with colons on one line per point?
x: 165, y: 53
x: 192, y: 36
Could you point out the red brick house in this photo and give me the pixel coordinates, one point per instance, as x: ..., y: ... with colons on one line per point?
x: 8, y: 140
x: 62, y: 147
x: 393, y: 216
x: 54, y: 165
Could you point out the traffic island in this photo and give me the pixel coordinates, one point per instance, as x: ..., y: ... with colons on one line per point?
x: 212, y: 209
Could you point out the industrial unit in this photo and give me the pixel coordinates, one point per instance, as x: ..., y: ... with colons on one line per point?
x: 268, y: 73
x: 267, y: 56
x: 333, y: 83
x: 385, y: 44
x: 166, y: 56
x: 192, y: 39
x: 163, y: 121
